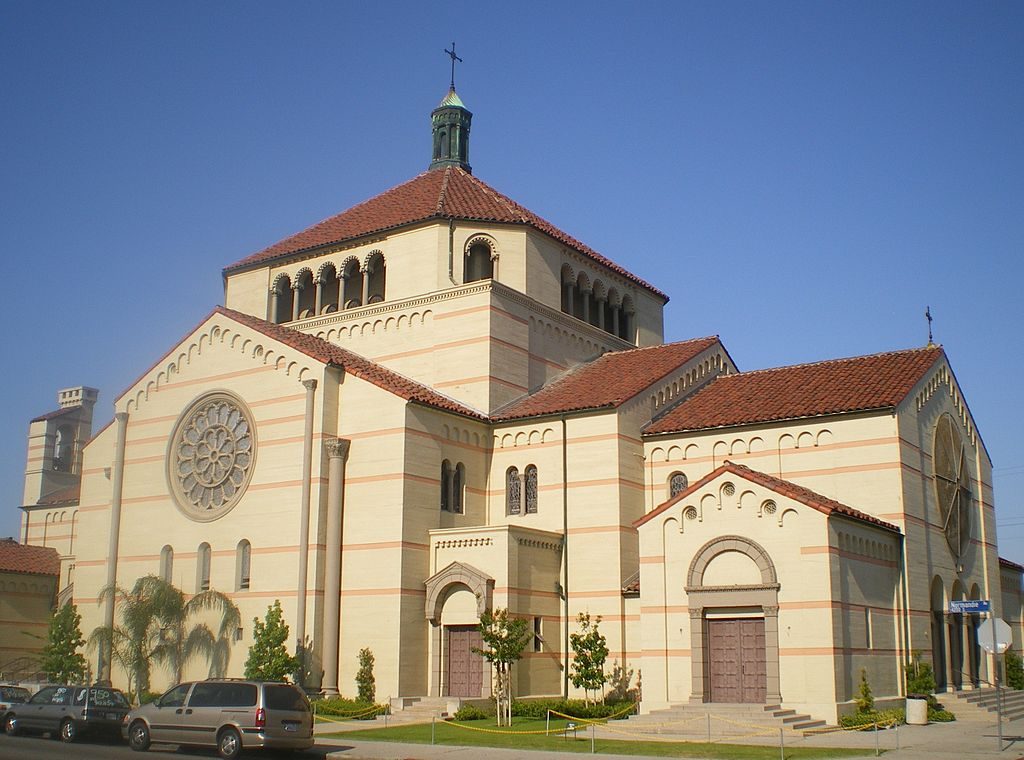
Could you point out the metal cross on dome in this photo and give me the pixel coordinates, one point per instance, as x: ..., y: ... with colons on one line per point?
x: 451, y: 54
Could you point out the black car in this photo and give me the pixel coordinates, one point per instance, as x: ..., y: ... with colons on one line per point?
x: 69, y: 710
x: 10, y: 696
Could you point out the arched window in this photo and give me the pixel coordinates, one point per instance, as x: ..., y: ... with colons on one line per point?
x: 328, y: 290
x: 63, y: 449
x: 459, y: 489
x: 531, y: 490
x: 281, y: 300
x: 352, y: 284
x: 513, y: 494
x: 677, y: 483
x: 203, y: 568
x: 243, y: 565
x: 306, y: 294
x: 446, y: 480
x: 167, y: 564
x: 478, y: 264
x: 376, y: 272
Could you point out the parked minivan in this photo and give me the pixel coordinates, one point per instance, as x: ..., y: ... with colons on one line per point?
x: 69, y: 710
x: 228, y: 714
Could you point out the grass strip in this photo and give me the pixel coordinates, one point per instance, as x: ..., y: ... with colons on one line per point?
x: 518, y: 738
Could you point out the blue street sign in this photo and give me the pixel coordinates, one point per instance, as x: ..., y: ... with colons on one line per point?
x: 970, y: 605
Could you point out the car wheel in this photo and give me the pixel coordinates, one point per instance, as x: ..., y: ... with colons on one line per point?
x: 11, y: 726
x: 138, y: 736
x: 68, y: 731
x: 229, y: 744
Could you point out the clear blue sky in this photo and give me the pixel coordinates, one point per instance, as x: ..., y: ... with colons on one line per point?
x: 802, y: 178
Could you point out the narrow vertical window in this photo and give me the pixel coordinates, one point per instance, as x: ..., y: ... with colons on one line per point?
x: 244, y: 563
x: 446, y: 480
x: 203, y: 568
x: 538, y: 642
x: 867, y: 628
x: 459, y: 489
x: 167, y: 564
x: 513, y: 501
x: 531, y: 490
x: 676, y: 484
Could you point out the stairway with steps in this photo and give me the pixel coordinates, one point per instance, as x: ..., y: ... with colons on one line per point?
x: 421, y: 709
x: 984, y: 701
x: 725, y: 719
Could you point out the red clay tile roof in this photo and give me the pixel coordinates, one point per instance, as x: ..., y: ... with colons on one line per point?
x: 69, y: 495
x: 1003, y: 562
x: 354, y: 364
x: 36, y: 560
x: 608, y: 381
x: 879, y: 381
x: 55, y: 414
x: 449, y: 193
x: 804, y: 495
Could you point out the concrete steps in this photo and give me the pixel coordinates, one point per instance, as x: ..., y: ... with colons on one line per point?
x: 420, y: 709
x: 985, y: 700
x: 722, y: 720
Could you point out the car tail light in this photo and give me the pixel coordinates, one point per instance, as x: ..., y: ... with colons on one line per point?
x: 261, y: 717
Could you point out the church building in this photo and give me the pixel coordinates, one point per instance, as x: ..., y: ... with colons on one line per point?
x: 437, y: 403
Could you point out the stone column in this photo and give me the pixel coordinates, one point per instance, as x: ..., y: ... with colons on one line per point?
x: 275, y: 305
x: 773, y: 692
x: 615, y: 319
x: 697, y: 656
x: 494, y: 266
x: 947, y: 651
x: 116, y: 487
x: 366, y: 285
x: 337, y: 451
x: 568, y: 298
x: 307, y: 472
x: 341, y: 291
x: 600, y: 312
x: 585, y: 299
x: 296, y: 290
x: 318, y: 300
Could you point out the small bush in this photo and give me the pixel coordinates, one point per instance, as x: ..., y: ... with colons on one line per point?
x: 940, y: 715
x: 881, y: 717
x: 865, y: 699
x: 1014, y: 670
x: 342, y: 707
x: 577, y: 708
x: 472, y: 712
x: 365, y: 683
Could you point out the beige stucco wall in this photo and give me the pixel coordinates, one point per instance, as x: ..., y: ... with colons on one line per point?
x: 26, y: 600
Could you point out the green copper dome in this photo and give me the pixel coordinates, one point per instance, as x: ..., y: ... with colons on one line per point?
x: 451, y: 121
x: 451, y: 99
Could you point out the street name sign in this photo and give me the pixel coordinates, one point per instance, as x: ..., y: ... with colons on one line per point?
x: 970, y: 605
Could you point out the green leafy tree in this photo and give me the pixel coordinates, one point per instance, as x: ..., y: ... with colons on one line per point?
x: 865, y: 699
x: 1014, y: 670
x: 62, y: 662
x: 590, y: 651
x: 366, y: 685
x: 268, y: 656
x: 158, y: 625
x: 504, y: 638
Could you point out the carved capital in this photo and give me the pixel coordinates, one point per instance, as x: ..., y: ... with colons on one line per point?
x: 696, y: 613
x: 770, y: 611
x: 121, y: 417
x: 337, y: 447
x: 309, y: 385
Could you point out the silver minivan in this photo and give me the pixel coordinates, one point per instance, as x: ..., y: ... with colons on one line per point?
x: 228, y: 714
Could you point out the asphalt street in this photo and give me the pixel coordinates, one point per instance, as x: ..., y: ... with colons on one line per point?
x: 44, y: 748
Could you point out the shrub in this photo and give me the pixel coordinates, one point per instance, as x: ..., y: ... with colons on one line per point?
x: 938, y: 715
x: 1014, y: 670
x: 342, y: 707
x: 365, y: 683
x: 472, y: 712
x: 577, y: 708
x: 865, y: 699
x: 920, y: 678
x: 865, y: 719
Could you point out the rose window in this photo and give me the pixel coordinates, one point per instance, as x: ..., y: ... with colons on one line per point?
x: 211, y: 456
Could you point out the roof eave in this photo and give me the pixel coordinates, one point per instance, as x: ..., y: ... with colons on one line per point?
x: 849, y: 412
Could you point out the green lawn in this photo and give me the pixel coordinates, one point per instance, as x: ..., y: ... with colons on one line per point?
x: 446, y: 733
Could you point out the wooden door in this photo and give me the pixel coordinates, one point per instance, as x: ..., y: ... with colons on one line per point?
x: 464, y: 667
x: 736, y: 660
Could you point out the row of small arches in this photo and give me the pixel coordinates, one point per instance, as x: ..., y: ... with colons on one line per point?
x: 332, y: 289
x: 671, y: 392
x: 942, y: 378
x: 204, y: 557
x: 576, y: 344
x: 864, y: 547
x: 737, y: 446
x: 375, y: 326
x: 25, y: 587
x: 523, y: 438
x: 598, y: 305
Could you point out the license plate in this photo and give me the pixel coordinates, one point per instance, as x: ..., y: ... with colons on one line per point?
x: 290, y: 727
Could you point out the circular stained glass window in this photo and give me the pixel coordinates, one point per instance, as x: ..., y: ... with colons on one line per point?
x: 952, y: 485
x: 211, y: 456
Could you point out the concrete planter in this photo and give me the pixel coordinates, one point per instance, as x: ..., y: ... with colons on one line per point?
x: 917, y: 711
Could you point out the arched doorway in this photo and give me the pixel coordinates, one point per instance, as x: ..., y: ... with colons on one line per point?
x: 456, y: 598
x: 732, y: 593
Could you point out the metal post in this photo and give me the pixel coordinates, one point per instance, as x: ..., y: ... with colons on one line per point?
x: 708, y: 716
x: 591, y: 738
x: 897, y: 737
x: 995, y: 673
x: 432, y: 729
x: 876, y: 739
x: 547, y: 723
x: 782, y: 745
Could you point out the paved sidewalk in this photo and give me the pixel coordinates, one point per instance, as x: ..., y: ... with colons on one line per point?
x: 960, y: 740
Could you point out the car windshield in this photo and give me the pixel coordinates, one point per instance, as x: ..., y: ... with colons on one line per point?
x: 284, y: 697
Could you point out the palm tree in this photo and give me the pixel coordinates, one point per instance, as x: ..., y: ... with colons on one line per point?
x: 155, y: 627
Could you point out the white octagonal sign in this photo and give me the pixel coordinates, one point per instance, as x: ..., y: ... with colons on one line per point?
x: 994, y: 635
